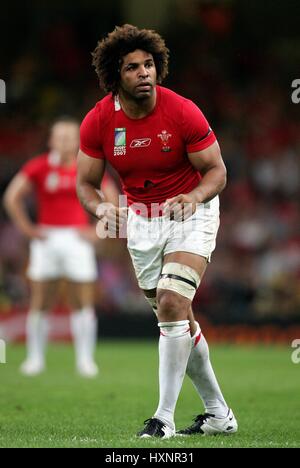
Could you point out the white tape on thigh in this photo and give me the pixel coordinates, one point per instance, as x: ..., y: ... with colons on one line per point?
x: 180, y: 279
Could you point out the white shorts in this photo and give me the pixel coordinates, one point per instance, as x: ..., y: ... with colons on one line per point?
x: 149, y: 240
x: 63, y: 254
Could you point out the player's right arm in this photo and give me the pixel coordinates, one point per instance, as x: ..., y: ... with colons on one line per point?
x: 90, y: 170
x: 89, y: 176
x: 90, y: 164
x: 18, y: 189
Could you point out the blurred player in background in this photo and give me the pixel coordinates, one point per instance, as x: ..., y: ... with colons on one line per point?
x: 168, y: 159
x: 61, y: 246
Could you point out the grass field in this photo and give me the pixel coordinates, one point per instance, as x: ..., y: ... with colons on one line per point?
x: 59, y: 409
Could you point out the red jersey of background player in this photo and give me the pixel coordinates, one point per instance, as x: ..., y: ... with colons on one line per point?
x: 150, y: 154
x: 55, y: 189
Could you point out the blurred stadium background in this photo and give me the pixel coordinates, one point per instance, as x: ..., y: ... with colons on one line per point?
x: 236, y: 60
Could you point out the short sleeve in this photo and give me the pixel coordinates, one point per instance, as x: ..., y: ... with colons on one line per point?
x: 90, y: 139
x: 197, y: 132
x: 31, y: 169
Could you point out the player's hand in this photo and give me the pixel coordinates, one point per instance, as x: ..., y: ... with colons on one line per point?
x: 112, y: 219
x: 180, y: 208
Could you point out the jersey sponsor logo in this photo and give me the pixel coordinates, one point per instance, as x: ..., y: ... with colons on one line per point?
x: 55, y: 181
x: 52, y: 182
x: 164, y: 137
x: 140, y: 143
x: 120, y: 142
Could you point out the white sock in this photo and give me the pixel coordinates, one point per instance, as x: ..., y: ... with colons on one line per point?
x: 200, y: 371
x: 174, y: 351
x: 84, y: 332
x: 36, y: 335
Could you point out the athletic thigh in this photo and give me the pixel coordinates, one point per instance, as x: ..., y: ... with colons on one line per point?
x: 43, y: 294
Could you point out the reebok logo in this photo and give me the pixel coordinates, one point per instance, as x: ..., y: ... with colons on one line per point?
x: 140, y: 143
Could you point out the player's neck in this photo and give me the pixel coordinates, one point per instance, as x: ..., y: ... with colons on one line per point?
x: 137, y: 108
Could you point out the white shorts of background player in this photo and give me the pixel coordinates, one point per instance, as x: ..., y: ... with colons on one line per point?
x: 62, y: 254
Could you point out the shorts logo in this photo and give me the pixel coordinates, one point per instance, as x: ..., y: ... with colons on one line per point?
x: 165, y: 136
x: 120, y: 142
x: 140, y: 143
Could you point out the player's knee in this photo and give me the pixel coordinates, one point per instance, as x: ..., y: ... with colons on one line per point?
x: 75, y: 303
x: 171, y: 306
x: 39, y: 302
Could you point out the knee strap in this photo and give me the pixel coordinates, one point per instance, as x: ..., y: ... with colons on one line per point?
x: 179, y: 278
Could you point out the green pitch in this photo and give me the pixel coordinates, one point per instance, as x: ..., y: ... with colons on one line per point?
x: 59, y: 409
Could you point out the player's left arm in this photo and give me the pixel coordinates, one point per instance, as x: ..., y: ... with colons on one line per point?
x: 211, y: 166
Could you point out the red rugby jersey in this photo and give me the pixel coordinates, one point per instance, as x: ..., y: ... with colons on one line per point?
x: 150, y: 154
x: 55, y: 188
